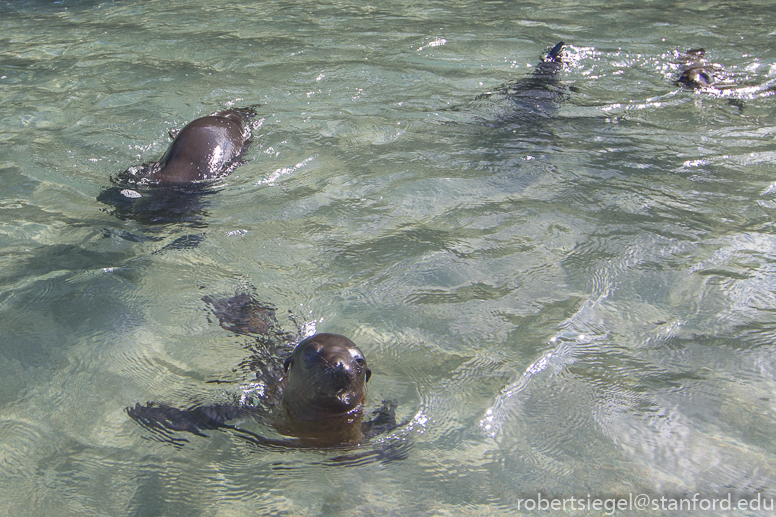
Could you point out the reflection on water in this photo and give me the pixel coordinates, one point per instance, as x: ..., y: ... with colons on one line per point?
x: 159, y: 205
x: 574, y: 299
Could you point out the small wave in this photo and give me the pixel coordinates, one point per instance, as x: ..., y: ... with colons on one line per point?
x: 284, y: 171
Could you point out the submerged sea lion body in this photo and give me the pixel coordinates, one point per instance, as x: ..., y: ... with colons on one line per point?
x: 315, y: 397
x: 535, y: 96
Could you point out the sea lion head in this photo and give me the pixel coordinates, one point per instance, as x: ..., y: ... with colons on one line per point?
x: 326, y: 377
x: 698, y: 73
x: 697, y: 77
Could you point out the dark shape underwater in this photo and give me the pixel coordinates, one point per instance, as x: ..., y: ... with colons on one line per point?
x: 535, y: 96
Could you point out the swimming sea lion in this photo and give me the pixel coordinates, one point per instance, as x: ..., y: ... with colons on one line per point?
x: 321, y: 405
x: 315, y: 397
x: 206, y: 148
x: 536, y: 95
x: 174, y: 189
x: 698, y: 73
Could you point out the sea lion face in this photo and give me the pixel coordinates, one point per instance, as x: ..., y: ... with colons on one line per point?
x: 326, y: 377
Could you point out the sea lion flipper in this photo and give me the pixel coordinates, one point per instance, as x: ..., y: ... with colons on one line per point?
x: 185, y: 242
x: 383, y: 421
x: 547, y: 70
x: 160, y: 418
x: 243, y: 314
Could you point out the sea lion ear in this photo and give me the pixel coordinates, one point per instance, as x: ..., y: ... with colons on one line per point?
x: 286, y: 364
x: 368, y: 374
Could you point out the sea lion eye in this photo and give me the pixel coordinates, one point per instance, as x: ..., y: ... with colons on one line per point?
x: 312, y: 355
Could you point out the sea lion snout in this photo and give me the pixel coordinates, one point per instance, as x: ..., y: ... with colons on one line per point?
x: 347, y: 371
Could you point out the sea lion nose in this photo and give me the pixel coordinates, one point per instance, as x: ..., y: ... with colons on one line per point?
x: 341, y: 373
x: 343, y: 369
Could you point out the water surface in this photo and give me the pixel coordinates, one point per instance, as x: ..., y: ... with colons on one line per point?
x: 577, y: 302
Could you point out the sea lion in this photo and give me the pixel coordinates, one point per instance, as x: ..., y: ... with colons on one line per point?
x: 175, y: 189
x: 325, y: 391
x: 315, y: 396
x: 207, y: 148
x: 545, y: 73
x: 535, y: 96
x: 697, y: 73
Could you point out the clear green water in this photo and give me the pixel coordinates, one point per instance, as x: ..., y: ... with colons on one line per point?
x: 580, y: 304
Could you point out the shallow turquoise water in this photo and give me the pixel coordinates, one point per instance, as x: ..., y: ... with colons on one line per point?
x: 575, y: 303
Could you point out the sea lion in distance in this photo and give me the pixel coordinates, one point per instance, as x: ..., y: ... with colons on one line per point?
x: 698, y: 73
x: 535, y: 96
